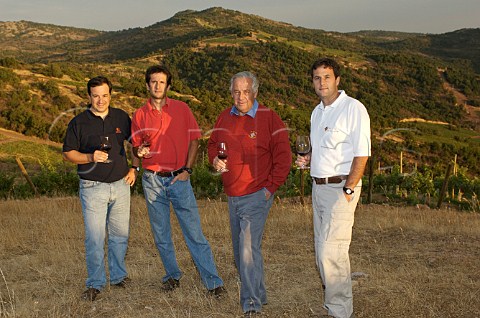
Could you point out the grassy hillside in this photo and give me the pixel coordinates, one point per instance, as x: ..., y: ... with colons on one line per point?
x: 30, y: 40
x: 33, y: 149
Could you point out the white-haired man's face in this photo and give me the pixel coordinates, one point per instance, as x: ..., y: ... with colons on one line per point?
x: 243, y: 95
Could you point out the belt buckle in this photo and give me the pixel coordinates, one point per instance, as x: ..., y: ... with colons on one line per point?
x: 165, y: 174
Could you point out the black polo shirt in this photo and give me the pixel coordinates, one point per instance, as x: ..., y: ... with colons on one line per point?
x: 84, y: 133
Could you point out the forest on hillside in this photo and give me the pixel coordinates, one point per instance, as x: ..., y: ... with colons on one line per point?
x: 389, y: 92
x: 396, y: 75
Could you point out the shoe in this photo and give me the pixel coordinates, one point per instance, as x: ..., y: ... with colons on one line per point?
x: 124, y: 283
x: 90, y: 294
x: 252, y: 313
x: 218, y: 292
x: 170, y: 284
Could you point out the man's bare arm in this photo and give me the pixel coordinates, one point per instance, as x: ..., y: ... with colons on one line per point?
x: 356, y: 171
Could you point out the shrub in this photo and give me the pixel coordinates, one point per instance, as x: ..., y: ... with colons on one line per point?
x: 47, y: 182
x: 205, y: 183
x: 6, y: 185
x: 292, y: 186
x: 9, y: 62
x: 56, y: 183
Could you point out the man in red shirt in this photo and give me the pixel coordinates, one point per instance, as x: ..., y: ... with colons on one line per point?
x: 165, y: 134
x: 258, y: 162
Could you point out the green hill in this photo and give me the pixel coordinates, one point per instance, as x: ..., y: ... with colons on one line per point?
x: 43, y: 71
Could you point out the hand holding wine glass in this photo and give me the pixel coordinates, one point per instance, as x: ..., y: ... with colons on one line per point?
x: 303, y: 147
x: 106, y: 146
x: 222, y: 154
x: 145, y: 147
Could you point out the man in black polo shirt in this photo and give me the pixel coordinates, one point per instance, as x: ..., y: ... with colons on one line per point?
x: 104, y: 183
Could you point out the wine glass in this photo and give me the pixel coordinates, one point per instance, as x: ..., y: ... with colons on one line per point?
x: 303, y: 147
x: 106, y: 146
x: 222, y: 153
x: 146, y: 143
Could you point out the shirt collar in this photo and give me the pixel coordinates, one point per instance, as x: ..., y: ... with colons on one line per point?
x: 150, y: 106
x: 91, y: 114
x: 336, y: 102
x: 252, y: 112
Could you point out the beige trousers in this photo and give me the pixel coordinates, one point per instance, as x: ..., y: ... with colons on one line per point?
x: 333, y: 218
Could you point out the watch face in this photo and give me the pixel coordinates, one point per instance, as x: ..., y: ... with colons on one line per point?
x: 348, y: 191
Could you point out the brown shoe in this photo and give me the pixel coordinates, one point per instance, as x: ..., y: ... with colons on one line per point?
x: 124, y: 283
x: 218, y: 292
x: 170, y: 284
x: 90, y: 294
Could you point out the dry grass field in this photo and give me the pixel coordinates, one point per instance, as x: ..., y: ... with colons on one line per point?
x: 413, y: 262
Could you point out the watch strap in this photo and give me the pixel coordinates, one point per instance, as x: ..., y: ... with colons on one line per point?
x: 348, y: 190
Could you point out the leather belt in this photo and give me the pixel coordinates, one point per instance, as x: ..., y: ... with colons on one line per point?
x: 166, y: 174
x: 334, y: 179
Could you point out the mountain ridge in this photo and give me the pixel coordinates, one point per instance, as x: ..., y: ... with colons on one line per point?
x: 217, y: 18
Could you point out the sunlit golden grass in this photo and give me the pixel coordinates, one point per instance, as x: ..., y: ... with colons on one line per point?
x: 411, y: 263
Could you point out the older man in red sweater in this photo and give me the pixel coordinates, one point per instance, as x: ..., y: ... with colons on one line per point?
x: 259, y: 160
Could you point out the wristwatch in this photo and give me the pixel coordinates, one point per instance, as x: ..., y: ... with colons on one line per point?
x: 136, y: 168
x: 189, y: 170
x: 348, y: 190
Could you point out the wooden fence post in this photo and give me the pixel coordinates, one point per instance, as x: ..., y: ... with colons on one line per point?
x: 454, y: 173
x: 401, y: 162
x: 27, y: 177
x: 370, y: 180
x: 444, y: 186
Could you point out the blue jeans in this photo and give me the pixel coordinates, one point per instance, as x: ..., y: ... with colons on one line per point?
x: 159, y: 193
x: 248, y: 215
x: 105, y: 207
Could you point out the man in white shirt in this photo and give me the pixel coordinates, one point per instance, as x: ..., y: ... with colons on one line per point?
x: 340, y: 136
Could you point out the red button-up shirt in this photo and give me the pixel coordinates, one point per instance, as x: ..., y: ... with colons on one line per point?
x: 169, y: 131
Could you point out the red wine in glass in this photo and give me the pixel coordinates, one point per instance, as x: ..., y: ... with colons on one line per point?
x: 301, y: 153
x: 222, y: 156
x: 106, y: 146
x: 302, y: 146
x: 222, y: 153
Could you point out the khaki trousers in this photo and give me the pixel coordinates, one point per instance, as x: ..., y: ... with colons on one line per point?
x: 333, y: 218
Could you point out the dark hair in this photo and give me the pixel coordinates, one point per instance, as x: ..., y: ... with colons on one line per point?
x: 327, y: 63
x: 98, y: 81
x: 158, y: 69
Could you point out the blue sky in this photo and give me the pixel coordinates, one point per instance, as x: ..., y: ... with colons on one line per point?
x: 423, y: 16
